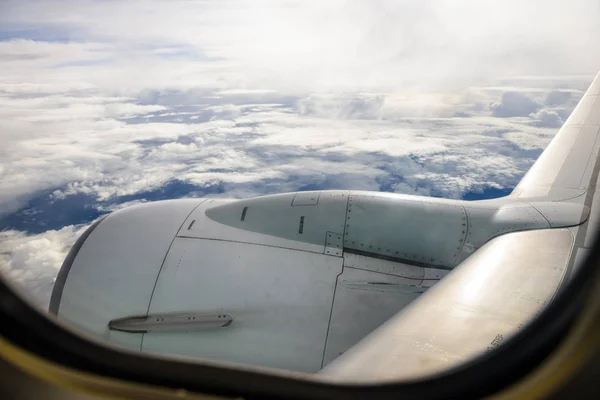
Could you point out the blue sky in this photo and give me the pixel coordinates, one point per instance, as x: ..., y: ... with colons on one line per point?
x: 105, y: 104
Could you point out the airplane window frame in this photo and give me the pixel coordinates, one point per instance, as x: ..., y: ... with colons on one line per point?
x: 26, y: 326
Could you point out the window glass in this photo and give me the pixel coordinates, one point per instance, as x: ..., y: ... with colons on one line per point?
x: 268, y: 183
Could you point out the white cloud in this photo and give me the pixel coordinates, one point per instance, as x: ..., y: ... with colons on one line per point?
x: 360, y: 106
x: 547, y: 119
x: 311, y: 46
x: 113, y: 100
x: 514, y: 104
x: 33, y: 261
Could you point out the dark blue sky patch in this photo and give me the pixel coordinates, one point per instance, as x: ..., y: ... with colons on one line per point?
x: 174, y: 189
x: 42, y: 213
x: 185, y: 139
x: 47, y: 34
x: 45, y: 213
x: 241, y: 99
x: 387, y: 183
x: 487, y: 193
x: 329, y: 182
x: 337, y: 157
x: 51, y: 32
x: 248, y: 124
x: 435, y: 193
x: 313, y: 186
x: 218, y: 170
x: 153, y: 143
x: 417, y: 160
x: 258, y: 188
x: 174, y: 117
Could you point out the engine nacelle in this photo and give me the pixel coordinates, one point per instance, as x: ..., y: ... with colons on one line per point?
x: 288, y: 281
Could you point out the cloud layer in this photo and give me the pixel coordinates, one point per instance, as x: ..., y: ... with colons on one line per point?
x: 114, y: 103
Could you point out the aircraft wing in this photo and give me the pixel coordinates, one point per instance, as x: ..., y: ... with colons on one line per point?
x: 476, y: 307
x: 505, y: 283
